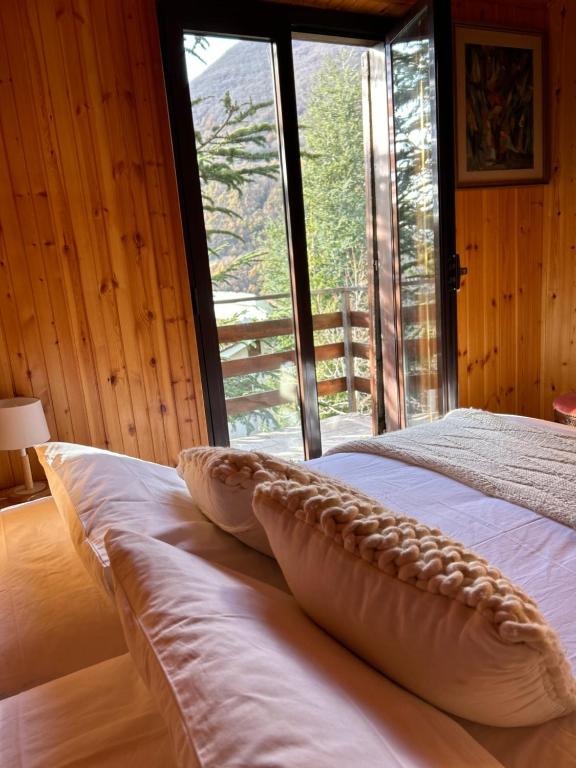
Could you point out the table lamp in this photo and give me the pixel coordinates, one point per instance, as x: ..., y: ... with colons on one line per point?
x: 23, y: 424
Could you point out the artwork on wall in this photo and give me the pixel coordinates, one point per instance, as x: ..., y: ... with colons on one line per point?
x: 499, y: 107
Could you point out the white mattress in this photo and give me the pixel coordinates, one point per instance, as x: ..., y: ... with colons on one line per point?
x: 537, y: 553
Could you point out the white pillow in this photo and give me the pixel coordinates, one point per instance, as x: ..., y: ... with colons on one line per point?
x: 96, y: 489
x: 244, y: 679
x: 420, y: 607
x: 222, y: 481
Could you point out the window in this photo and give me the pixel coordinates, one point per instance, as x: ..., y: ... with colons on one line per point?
x: 319, y: 232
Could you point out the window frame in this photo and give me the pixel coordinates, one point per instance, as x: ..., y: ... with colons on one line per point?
x: 277, y: 24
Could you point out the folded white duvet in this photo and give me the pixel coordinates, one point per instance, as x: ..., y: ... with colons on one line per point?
x: 518, y: 461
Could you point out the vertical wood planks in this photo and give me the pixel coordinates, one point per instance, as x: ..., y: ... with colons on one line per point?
x: 529, y: 234
x: 500, y: 239
x: 95, y: 316
x: 559, y: 291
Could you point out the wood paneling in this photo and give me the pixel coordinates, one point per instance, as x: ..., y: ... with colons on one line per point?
x: 515, y: 14
x: 512, y: 13
x: 519, y: 297
x: 500, y: 239
x: 95, y: 316
x: 499, y: 235
x: 559, y: 288
x: 382, y: 7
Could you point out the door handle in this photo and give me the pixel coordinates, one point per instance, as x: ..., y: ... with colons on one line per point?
x: 455, y: 272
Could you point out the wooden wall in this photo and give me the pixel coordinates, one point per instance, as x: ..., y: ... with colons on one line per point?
x: 559, y: 244
x: 517, y: 309
x: 95, y: 317
x: 499, y: 235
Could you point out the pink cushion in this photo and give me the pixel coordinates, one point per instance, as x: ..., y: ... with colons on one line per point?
x: 418, y: 606
x: 566, y: 403
x: 222, y: 480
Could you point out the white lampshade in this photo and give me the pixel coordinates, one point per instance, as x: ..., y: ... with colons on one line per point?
x: 22, y: 423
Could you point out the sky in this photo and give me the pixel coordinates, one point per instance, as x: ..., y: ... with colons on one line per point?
x: 217, y: 47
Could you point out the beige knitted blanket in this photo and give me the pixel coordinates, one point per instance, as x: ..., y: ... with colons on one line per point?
x: 526, y: 465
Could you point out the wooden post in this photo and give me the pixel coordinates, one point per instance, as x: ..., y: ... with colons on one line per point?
x: 348, y: 351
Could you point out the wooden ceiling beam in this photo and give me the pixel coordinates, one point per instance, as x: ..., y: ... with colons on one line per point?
x: 377, y: 7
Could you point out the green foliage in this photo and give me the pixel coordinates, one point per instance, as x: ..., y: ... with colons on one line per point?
x: 225, y: 271
x: 333, y: 177
x: 414, y: 157
x: 245, y: 212
x: 232, y: 153
x: 415, y: 166
x: 199, y: 44
x: 334, y: 189
x: 334, y: 195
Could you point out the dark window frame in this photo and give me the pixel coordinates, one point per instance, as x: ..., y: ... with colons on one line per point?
x: 448, y: 277
x: 277, y: 24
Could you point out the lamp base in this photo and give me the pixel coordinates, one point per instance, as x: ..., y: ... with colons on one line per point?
x: 20, y: 491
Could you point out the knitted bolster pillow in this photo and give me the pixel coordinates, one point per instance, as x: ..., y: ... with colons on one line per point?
x: 221, y: 482
x: 421, y: 608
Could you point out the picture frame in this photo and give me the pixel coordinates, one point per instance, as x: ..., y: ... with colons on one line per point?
x: 500, y: 114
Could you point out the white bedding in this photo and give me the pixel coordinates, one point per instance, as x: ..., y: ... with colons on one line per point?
x: 53, y: 619
x: 98, y: 717
x: 246, y: 680
x: 102, y: 716
x: 537, y: 553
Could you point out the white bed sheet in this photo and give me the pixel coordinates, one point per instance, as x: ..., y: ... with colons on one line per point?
x: 537, y: 553
x: 53, y: 619
x: 98, y: 717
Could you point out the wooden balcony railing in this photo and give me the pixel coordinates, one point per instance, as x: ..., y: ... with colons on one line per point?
x: 348, y: 349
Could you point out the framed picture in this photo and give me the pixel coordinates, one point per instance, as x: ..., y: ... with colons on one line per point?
x: 500, y: 126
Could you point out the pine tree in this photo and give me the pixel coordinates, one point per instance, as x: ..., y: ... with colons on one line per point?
x: 335, y: 205
x: 233, y: 151
x: 334, y: 187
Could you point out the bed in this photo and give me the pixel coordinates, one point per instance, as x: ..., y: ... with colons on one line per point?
x: 71, y: 694
x: 536, y: 552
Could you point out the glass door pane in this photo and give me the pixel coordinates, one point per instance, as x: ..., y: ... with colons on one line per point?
x: 233, y: 105
x: 416, y: 201
x: 330, y: 100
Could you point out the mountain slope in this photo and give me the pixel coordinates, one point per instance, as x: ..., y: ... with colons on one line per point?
x: 245, y: 72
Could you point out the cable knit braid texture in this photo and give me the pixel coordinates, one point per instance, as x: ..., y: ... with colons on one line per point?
x: 425, y: 558
x: 244, y: 470
x: 222, y: 481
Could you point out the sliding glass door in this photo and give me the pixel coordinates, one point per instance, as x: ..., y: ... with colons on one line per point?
x: 233, y: 99
x: 329, y: 97
x: 423, y: 228
x: 312, y: 230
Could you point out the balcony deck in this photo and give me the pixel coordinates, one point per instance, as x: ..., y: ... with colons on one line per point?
x: 249, y: 349
x: 287, y: 443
